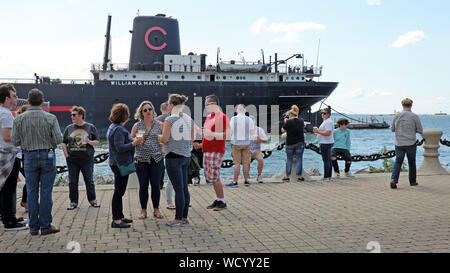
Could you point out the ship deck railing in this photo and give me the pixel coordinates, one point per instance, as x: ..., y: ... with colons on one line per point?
x: 308, y: 72
x: 45, y: 80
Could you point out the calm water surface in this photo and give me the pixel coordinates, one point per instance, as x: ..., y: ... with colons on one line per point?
x: 364, y: 142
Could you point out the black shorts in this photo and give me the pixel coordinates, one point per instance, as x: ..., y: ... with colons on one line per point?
x: 342, y: 152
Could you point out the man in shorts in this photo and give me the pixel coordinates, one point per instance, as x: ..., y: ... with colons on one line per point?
x: 215, y: 132
x: 242, y: 129
x: 255, y: 148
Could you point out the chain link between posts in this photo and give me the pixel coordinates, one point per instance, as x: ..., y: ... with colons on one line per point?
x: 227, y: 163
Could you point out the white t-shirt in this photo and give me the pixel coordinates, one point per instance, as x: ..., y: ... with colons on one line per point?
x: 241, y: 127
x: 327, y: 125
x: 6, y: 122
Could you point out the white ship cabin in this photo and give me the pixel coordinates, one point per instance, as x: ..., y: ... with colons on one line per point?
x: 189, y: 68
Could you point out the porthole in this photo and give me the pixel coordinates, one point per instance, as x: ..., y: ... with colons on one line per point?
x: 126, y: 76
x: 182, y: 77
x: 303, y: 78
x: 194, y: 61
x: 243, y: 78
x: 217, y: 78
x: 199, y: 77
x: 261, y: 78
x: 158, y: 77
x: 170, y: 61
x: 166, y: 77
x: 111, y: 76
x: 224, y: 77
x: 237, y: 77
x: 292, y: 78
x: 298, y: 78
x: 134, y: 76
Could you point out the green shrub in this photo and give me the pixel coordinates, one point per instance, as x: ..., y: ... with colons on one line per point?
x: 388, y: 165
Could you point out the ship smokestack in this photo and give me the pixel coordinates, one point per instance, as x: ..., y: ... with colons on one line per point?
x: 106, y: 59
x: 153, y: 37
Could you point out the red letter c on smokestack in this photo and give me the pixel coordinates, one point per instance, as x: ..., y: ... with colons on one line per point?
x: 150, y: 30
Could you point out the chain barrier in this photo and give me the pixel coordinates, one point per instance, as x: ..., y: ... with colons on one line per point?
x: 228, y: 163
x: 100, y: 158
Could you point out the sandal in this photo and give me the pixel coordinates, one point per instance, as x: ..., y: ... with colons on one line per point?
x: 171, y: 206
x: 95, y: 205
x: 72, y: 207
x: 300, y: 179
x: 143, y: 216
x: 158, y: 215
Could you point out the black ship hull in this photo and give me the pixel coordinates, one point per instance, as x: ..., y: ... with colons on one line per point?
x: 98, y: 98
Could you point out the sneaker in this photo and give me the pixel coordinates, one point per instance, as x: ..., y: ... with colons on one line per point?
x: 232, y: 184
x: 337, y: 175
x: 213, y: 205
x: 16, y: 226
x: 208, y: 182
x: 393, y: 184
x: 247, y: 184
x: 285, y: 179
x: 326, y: 179
x: 121, y: 225
x: 349, y: 174
x: 259, y: 179
x: 185, y: 222
x: 414, y: 184
x: 22, y: 220
x: 220, y: 206
x: 174, y: 224
x: 196, y: 181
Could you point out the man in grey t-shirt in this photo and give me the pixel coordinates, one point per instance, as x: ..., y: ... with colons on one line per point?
x: 405, y: 125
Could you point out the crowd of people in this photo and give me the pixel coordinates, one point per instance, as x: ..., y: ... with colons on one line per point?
x: 155, y: 147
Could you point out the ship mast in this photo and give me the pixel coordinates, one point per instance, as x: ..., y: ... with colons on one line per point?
x: 106, y: 58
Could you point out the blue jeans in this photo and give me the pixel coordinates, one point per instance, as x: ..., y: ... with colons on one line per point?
x: 177, y: 169
x: 87, y: 169
x: 40, y: 171
x: 400, y: 152
x: 149, y: 173
x: 325, y: 149
x: 296, y: 149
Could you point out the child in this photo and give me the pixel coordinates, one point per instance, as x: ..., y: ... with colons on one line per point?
x: 341, y: 147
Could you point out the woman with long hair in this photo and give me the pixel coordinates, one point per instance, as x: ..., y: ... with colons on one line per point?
x: 295, y: 142
x: 177, y: 136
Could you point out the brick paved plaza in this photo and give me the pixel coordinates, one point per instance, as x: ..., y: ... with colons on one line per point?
x: 339, y: 216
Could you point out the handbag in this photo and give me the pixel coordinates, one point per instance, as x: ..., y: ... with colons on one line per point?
x: 128, y: 169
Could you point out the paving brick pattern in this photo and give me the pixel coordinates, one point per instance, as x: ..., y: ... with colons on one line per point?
x: 339, y: 216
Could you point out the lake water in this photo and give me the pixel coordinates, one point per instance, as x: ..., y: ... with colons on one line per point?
x: 364, y: 142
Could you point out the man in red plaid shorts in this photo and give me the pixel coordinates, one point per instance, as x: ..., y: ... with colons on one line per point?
x: 215, y: 132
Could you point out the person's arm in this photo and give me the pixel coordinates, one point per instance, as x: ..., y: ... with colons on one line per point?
x: 166, y: 132
x: 134, y: 130
x: 349, y: 142
x: 7, y: 123
x: 193, y: 133
x: 393, y: 124
x: 94, y: 141
x: 262, y: 136
x: 119, y: 142
x: 64, y: 148
x: 56, y: 132
x: 419, y: 128
x: 15, y: 139
x: 6, y: 134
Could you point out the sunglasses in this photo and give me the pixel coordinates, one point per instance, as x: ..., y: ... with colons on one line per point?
x: 147, y: 109
x: 74, y: 115
x: 324, y: 113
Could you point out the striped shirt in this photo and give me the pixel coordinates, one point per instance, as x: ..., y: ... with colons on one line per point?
x: 151, y: 147
x: 35, y: 130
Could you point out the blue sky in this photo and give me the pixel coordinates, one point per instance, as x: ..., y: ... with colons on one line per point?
x: 380, y: 51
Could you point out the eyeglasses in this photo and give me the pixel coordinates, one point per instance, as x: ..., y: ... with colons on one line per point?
x: 324, y: 113
x: 74, y: 115
x: 209, y: 103
x: 147, y: 109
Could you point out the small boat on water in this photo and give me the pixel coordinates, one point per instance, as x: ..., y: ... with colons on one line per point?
x: 440, y: 114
